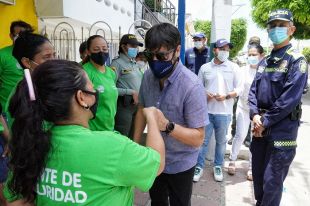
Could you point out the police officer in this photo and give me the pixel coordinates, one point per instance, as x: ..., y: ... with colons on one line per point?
x: 274, y: 100
x: 129, y: 77
x: 198, y: 55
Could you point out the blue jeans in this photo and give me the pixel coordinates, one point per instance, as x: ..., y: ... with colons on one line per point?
x: 219, y: 123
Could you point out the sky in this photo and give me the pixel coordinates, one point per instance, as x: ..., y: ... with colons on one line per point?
x: 202, y: 10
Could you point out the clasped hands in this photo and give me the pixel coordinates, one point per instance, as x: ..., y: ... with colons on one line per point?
x: 258, y: 128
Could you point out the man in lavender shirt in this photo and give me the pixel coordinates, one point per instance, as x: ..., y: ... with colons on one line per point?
x: 179, y: 94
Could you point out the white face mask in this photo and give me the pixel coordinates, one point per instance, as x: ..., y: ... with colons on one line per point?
x: 198, y: 44
x: 223, y: 55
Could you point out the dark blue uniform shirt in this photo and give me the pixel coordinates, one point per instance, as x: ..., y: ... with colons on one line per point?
x: 277, y: 88
x: 195, y: 59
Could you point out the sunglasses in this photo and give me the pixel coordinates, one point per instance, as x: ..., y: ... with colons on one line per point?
x: 161, y: 56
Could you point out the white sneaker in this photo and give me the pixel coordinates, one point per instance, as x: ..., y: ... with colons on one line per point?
x: 218, y: 174
x: 198, y: 173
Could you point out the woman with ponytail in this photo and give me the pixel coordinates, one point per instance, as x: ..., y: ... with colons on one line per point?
x: 70, y: 164
x: 29, y: 50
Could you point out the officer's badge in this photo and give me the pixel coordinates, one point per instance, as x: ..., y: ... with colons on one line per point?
x: 303, y: 66
x: 260, y: 69
x: 192, y: 55
x: 100, y: 88
x: 282, y: 66
x: 126, y: 71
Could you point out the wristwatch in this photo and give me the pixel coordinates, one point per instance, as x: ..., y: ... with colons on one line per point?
x: 227, y: 96
x: 169, y: 127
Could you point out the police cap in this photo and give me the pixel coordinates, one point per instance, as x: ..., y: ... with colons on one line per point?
x: 280, y: 14
x: 130, y: 39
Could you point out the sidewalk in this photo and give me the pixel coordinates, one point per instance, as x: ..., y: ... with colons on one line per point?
x: 233, y: 191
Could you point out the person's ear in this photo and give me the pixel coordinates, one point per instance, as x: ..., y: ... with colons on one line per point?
x: 291, y: 30
x: 12, y: 36
x: 26, y: 62
x: 88, y: 52
x: 178, y: 51
x: 80, y: 98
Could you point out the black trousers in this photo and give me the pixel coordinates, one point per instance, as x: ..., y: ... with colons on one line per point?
x: 178, y: 187
x: 270, y: 166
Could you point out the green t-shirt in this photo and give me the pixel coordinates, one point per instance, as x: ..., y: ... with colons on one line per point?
x: 10, y: 73
x: 100, y: 168
x: 105, y: 84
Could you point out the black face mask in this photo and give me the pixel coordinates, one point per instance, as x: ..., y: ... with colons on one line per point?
x: 99, y: 58
x: 94, y: 107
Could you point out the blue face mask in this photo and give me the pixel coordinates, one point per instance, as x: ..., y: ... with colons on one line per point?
x: 161, y: 69
x: 132, y: 52
x: 278, y: 35
x: 253, y: 60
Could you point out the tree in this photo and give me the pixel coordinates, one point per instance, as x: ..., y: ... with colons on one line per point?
x: 237, y: 37
x: 306, y: 53
x: 299, y: 8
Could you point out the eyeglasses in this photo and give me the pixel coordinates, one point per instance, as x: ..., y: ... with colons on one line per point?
x: 161, y: 56
x: 95, y: 93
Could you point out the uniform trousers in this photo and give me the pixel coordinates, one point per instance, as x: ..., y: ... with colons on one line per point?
x: 270, y: 166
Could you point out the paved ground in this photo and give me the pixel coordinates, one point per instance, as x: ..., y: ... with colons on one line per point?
x: 237, y: 191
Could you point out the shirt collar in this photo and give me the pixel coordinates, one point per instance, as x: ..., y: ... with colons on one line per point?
x: 277, y: 55
x: 223, y: 64
x: 175, y: 72
x: 203, y: 51
x: 126, y: 58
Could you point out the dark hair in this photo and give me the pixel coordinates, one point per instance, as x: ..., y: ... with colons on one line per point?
x: 163, y: 34
x: 88, y: 43
x: 27, y: 45
x: 23, y: 24
x: 55, y: 83
x: 259, y: 48
x: 83, y: 47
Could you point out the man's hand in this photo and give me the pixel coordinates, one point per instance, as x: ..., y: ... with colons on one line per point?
x: 162, y: 120
x: 258, y: 132
x: 258, y: 126
x: 220, y: 97
x: 209, y: 96
x: 257, y: 121
x: 135, y: 96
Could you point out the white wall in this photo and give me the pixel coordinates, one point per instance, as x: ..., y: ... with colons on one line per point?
x: 117, y: 13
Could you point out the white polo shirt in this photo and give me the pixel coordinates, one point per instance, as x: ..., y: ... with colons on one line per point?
x: 221, y: 79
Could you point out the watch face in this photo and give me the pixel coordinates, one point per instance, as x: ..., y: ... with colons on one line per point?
x: 170, y: 126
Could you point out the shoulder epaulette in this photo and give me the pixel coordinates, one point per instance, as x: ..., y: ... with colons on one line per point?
x: 117, y: 57
x: 295, y: 53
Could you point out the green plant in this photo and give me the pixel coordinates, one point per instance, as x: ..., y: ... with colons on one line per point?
x: 306, y: 53
x: 299, y: 8
x: 237, y: 37
x: 151, y: 4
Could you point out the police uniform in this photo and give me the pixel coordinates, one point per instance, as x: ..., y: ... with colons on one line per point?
x: 195, y: 59
x: 129, y: 77
x: 275, y: 94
